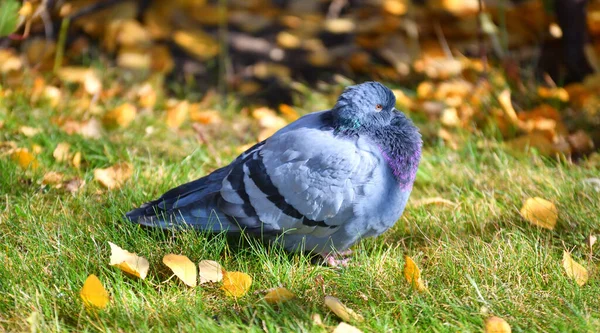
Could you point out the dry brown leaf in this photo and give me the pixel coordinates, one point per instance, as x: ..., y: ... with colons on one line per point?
x: 496, y: 325
x: 210, y: 271
x: 341, y: 310
x: 24, y: 158
x: 540, y: 212
x: 120, y: 116
x: 177, y: 113
x: 91, y: 129
x: 61, y: 152
x: 580, y: 142
x: 236, y: 284
x: 541, y: 143
x: 590, y: 241
x: 412, y: 273
x: 74, y: 185
x: 574, y: 270
x: 128, y: 262
x: 113, y: 177
x: 162, y: 60
x: 93, y: 293
x: 279, y: 295
x: 346, y: 328
x: 182, y: 267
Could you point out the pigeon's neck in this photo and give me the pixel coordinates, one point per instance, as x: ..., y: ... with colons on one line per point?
x: 401, y: 149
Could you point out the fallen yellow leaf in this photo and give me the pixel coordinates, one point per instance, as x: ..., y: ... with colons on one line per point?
x: 128, y: 262
x: 82, y: 75
x: 197, y: 42
x: 26, y: 9
x: 29, y: 131
x: 114, y: 176
x: 52, y: 178
x: 540, y: 212
x: 412, y: 273
x: 61, y: 152
x: 346, y: 328
x: 279, y: 295
x: 496, y: 325
x: 236, y: 284
x: 574, y: 270
x: 177, y: 113
x: 93, y: 293
x: 25, y: 159
x: 341, y: 310
x: 288, y: 112
x: 210, y: 271
x: 205, y: 117
x: 182, y: 267
x: 120, y: 116
x: 76, y: 160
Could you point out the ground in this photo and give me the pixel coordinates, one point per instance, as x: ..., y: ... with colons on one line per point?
x: 478, y: 257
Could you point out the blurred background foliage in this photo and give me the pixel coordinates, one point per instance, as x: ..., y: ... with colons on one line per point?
x: 522, y: 71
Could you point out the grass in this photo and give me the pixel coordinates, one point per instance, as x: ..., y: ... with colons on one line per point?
x: 479, y: 257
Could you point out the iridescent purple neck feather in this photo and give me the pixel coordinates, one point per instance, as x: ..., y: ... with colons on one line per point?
x: 369, y: 110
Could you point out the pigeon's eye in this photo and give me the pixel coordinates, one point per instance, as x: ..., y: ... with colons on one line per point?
x: 378, y: 107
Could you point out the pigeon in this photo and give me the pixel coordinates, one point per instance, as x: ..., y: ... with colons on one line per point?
x: 318, y: 185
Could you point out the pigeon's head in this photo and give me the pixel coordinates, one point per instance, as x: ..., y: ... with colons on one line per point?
x: 364, y: 106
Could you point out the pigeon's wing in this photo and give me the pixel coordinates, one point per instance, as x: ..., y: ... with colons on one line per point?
x: 304, y: 179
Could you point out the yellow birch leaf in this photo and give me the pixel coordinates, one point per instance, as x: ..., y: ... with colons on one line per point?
x: 288, y: 112
x: 341, y: 310
x: 574, y: 270
x: 25, y: 159
x: 182, y: 267
x: 61, y: 152
x: 412, y: 273
x: 93, y: 293
x: 177, y: 114
x: 236, y: 284
x: 52, y: 178
x: 76, y: 160
x: 128, y: 262
x: 120, y: 116
x: 210, y: 271
x: 279, y: 295
x: 205, y: 117
x: 26, y: 9
x: 197, y: 42
x: 346, y: 328
x: 540, y: 212
x: 114, y: 176
x: 29, y: 131
x: 496, y: 325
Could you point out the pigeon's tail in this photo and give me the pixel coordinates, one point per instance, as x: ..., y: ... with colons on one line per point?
x: 190, y: 205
